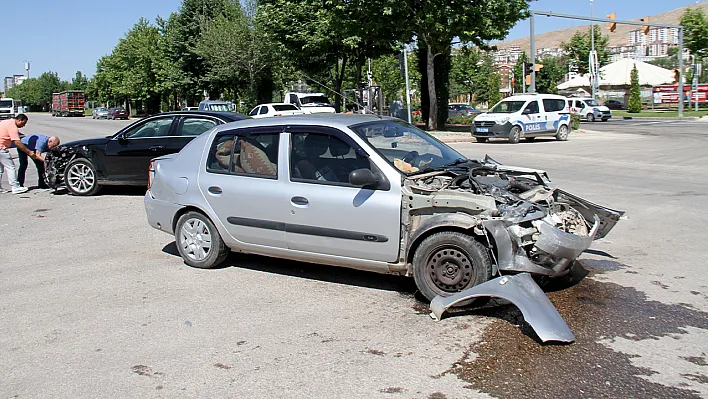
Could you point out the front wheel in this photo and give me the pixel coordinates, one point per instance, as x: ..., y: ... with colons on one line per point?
x: 198, y: 241
x: 80, y: 177
x: 449, y: 262
x: 591, y: 118
x: 562, y: 134
x: 515, y: 135
x: 605, y: 120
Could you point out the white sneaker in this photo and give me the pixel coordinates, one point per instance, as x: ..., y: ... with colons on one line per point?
x: 19, y: 190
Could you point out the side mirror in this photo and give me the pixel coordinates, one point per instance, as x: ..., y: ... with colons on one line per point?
x: 362, y: 178
x: 526, y: 111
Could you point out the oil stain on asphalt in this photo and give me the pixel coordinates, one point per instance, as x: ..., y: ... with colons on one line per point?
x: 514, y: 364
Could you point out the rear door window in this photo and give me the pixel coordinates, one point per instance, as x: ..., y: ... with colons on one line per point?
x: 247, y: 154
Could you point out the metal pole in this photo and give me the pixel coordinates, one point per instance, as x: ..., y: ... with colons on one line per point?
x: 592, y: 50
x: 532, y: 86
x: 408, y: 91
x: 680, y: 67
x: 695, y: 81
x: 523, y: 77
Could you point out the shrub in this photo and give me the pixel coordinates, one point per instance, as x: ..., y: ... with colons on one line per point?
x: 635, y: 96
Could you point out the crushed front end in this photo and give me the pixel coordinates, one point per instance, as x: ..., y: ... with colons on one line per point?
x: 528, y: 225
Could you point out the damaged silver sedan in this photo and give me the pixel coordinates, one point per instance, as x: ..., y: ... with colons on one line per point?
x: 368, y: 193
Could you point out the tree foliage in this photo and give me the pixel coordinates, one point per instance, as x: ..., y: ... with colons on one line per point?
x: 552, y: 73
x: 579, y: 46
x: 465, y: 71
x: 36, y: 93
x: 519, y: 78
x: 635, y: 96
x: 695, y: 27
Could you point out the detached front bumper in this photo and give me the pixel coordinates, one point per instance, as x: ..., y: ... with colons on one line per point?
x: 551, y: 254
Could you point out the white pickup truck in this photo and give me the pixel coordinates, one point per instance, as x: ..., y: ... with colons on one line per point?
x: 7, y: 108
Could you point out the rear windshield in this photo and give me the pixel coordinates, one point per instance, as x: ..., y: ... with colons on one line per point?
x: 507, y: 107
x: 285, y: 107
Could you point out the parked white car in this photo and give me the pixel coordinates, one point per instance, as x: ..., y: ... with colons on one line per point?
x: 275, y: 109
x: 589, y: 109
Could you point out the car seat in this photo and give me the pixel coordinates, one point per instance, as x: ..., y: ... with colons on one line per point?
x: 315, y: 145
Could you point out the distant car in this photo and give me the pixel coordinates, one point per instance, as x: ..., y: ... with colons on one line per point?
x: 99, y: 113
x: 461, y: 109
x: 590, y: 110
x: 190, y: 109
x: 275, y: 109
x: 614, y: 104
x: 122, y: 159
x: 215, y: 106
x: 117, y: 113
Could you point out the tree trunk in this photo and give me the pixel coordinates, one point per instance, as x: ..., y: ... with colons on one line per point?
x: 338, y: 79
x: 432, y: 96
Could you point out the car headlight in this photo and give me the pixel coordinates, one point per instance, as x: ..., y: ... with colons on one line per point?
x: 596, y: 109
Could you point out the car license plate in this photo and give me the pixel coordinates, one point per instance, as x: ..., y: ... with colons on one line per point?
x: 482, y: 129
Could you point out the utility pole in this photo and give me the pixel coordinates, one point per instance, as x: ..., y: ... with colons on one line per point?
x: 27, y: 69
x: 532, y: 86
x: 592, y: 50
x: 408, y: 90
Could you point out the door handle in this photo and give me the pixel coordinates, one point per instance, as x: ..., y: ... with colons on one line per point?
x: 157, y: 147
x: 299, y: 200
x: 215, y: 190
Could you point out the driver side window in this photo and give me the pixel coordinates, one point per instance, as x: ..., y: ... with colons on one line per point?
x: 323, y: 158
x: 155, y: 128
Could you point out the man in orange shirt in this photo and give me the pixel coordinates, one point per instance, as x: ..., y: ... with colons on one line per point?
x: 9, y: 134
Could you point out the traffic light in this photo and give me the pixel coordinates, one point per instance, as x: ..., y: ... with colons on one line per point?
x: 401, y: 66
x: 528, y: 67
x: 645, y: 28
x: 538, y: 67
x: 612, y: 25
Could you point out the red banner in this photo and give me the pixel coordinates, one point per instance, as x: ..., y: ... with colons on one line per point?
x: 669, y: 94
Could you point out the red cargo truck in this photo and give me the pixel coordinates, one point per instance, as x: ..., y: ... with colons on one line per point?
x: 68, y: 103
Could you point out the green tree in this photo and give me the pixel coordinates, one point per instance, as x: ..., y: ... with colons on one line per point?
x: 579, y: 46
x: 494, y: 88
x: 36, y: 93
x: 387, y: 73
x: 635, y: 97
x: 79, y: 82
x: 548, y: 77
x: 435, y: 23
x: 465, y: 71
x: 238, y: 54
x: 321, y: 38
x: 695, y: 27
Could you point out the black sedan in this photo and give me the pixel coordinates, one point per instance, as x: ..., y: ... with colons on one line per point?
x: 123, y: 158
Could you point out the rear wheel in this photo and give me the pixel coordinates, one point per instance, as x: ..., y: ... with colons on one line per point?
x: 481, y: 139
x: 515, y: 135
x: 198, y: 241
x: 80, y: 177
x: 449, y: 262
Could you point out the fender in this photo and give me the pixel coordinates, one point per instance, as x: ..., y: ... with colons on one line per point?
x: 441, y: 221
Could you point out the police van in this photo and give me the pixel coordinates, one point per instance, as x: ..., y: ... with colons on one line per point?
x: 524, y: 116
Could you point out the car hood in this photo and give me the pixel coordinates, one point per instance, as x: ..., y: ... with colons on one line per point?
x: 494, y: 117
x: 88, y: 142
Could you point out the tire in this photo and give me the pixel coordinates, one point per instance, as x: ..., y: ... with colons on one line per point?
x: 80, y: 177
x: 605, y: 120
x: 193, y: 234
x: 450, y: 262
x: 591, y: 118
x: 481, y: 139
x: 562, y: 134
x: 530, y: 138
x: 514, y: 135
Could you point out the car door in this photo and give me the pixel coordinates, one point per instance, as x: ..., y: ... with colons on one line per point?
x: 244, y: 187
x: 187, y: 128
x: 554, y: 112
x: 579, y: 108
x: 128, y: 154
x: 532, y: 119
x: 327, y: 215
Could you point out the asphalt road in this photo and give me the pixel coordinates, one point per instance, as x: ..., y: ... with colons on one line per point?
x: 649, y: 126
x: 95, y: 303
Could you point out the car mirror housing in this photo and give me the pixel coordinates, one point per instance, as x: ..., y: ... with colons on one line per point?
x: 363, y: 177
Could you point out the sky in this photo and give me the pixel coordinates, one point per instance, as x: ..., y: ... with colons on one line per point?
x: 71, y: 35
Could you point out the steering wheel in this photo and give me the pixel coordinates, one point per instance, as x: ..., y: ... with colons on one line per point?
x: 410, y: 157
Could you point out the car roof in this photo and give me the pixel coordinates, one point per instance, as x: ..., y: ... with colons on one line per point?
x: 273, y: 104
x: 340, y: 121
x: 213, y: 102
x: 534, y: 96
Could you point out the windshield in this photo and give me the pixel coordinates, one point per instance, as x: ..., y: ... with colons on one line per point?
x: 321, y: 100
x: 591, y: 103
x: 5, y: 104
x: 507, y: 107
x: 219, y: 107
x: 406, y: 147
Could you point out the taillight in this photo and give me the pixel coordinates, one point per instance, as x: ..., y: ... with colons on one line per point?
x: 151, y: 173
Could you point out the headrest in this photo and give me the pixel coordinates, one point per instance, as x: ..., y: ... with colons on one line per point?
x: 337, y: 147
x: 316, y: 145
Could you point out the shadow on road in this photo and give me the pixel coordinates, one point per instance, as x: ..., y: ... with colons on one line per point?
x: 311, y: 271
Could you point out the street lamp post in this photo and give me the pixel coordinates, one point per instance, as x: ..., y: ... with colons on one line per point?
x: 592, y: 49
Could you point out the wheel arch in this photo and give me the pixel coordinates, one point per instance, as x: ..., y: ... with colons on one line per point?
x: 184, y: 210
x: 462, y: 223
